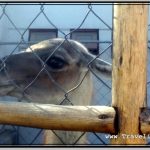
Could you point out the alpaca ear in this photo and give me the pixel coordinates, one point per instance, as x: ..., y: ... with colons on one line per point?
x: 101, y: 68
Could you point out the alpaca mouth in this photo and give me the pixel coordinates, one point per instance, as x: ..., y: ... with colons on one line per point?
x: 11, y: 90
x: 6, y: 86
x: 5, y: 89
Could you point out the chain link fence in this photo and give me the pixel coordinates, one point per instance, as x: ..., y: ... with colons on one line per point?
x: 102, y: 89
x: 18, y: 20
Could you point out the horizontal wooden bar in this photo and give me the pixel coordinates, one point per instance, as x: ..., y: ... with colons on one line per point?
x: 56, y: 117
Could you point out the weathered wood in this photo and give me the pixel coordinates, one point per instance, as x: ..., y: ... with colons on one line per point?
x: 75, y: 118
x: 129, y: 69
x: 145, y: 121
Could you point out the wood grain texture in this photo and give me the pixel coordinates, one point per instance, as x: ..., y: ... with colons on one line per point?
x: 129, y: 69
x: 73, y: 118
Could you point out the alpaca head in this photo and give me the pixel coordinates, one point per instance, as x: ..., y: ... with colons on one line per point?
x: 47, y: 70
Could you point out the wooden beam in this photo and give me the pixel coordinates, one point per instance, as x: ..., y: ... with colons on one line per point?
x: 56, y: 117
x: 129, y: 69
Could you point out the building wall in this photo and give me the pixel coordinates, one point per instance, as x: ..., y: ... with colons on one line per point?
x: 64, y: 17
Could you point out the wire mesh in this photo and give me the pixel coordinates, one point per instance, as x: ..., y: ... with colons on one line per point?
x: 42, y: 12
x: 34, y: 136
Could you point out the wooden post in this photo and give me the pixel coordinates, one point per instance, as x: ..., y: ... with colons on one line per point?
x: 129, y: 70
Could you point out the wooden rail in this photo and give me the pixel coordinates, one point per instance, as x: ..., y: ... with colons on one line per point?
x: 74, y: 118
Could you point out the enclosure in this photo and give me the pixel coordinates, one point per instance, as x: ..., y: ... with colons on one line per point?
x: 94, y: 25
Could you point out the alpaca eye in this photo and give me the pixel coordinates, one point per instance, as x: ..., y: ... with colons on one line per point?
x: 56, y: 63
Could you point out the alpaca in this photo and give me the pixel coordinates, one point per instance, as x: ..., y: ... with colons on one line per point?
x: 54, y: 71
